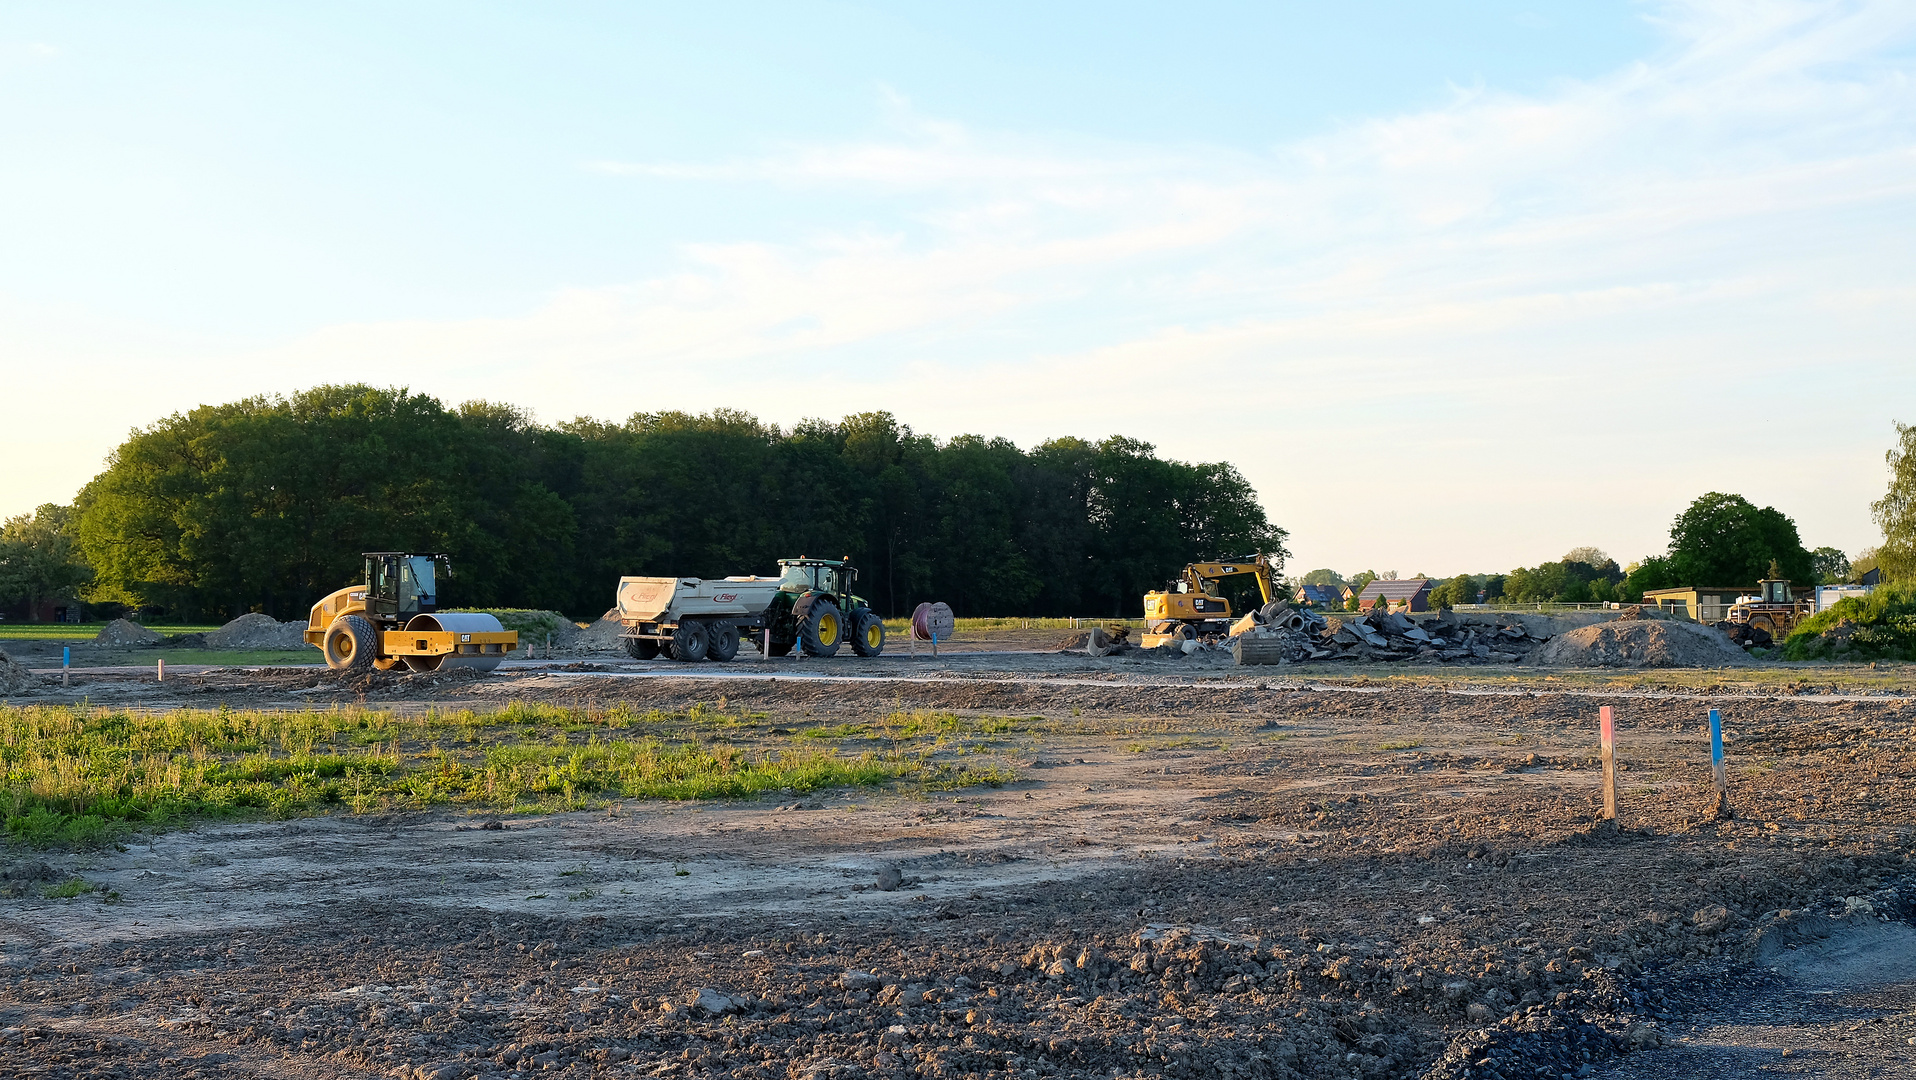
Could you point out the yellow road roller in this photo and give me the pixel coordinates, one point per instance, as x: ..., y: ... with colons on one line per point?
x: 394, y: 618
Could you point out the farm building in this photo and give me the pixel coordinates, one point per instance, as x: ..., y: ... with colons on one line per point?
x: 1320, y: 595
x: 1409, y: 594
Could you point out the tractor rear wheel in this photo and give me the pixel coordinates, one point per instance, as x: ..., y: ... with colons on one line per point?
x: 689, y: 642
x: 823, y: 630
x: 351, y: 643
x: 724, y: 643
x: 868, y: 633
x: 640, y: 648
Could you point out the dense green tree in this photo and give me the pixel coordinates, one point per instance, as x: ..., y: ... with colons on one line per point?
x: 1895, y: 512
x: 1725, y: 540
x: 1654, y: 572
x: 40, y: 560
x: 266, y: 503
x: 1831, y: 565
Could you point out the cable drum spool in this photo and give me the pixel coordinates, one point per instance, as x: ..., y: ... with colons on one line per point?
x: 458, y: 622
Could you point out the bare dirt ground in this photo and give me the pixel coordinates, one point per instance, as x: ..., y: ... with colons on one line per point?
x: 1201, y: 870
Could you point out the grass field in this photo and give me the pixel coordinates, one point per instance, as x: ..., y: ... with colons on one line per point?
x: 80, y: 631
x: 78, y: 775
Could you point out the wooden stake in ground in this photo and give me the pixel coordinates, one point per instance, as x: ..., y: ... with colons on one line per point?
x: 159, y: 670
x: 1608, y: 748
x: 1723, y: 811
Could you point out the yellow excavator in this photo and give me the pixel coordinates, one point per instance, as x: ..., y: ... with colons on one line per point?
x: 394, y: 619
x: 1190, y: 607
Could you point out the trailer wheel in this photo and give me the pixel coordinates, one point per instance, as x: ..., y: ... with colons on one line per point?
x: 868, y: 633
x: 722, y: 642
x: 689, y: 641
x: 640, y: 648
x: 351, y: 643
x: 823, y: 630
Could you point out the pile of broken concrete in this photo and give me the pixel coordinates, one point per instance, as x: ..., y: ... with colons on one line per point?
x: 1377, y: 636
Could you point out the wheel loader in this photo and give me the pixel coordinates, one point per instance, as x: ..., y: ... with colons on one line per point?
x: 394, y: 619
x: 1774, y: 609
x: 1191, y: 607
x: 809, y: 605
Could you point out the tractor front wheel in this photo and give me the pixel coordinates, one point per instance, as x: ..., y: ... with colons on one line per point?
x: 868, y: 633
x: 689, y: 642
x: 640, y: 648
x: 351, y: 643
x: 823, y: 630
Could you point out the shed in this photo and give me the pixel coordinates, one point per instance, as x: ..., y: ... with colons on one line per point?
x: 1704, y: 603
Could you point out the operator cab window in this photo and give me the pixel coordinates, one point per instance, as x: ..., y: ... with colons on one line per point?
x: 418, y: 571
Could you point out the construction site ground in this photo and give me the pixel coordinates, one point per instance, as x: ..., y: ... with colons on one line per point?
x: 1196, y: 869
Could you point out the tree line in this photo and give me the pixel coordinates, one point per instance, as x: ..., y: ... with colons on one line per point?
x: 1719, y: 539
x: 265, y: 504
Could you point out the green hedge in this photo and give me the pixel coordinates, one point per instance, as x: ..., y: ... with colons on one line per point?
x: 1880, y: 626
x: 532, y: 625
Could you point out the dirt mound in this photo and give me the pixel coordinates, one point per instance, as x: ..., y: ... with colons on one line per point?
x: 257, y: 631
x: 121, y: 633
x: 1642, y: 643
x: 597, y: 637
x: 14, y: 676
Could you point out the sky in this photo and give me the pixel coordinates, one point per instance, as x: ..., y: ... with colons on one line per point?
x: 1456, y: 286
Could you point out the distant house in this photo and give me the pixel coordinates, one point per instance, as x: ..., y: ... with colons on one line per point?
x: 1408, y: 594
x: 1320, y: 595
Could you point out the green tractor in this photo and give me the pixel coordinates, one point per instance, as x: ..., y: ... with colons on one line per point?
x: 815, y: 610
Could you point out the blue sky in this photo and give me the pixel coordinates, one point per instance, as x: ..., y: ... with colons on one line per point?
x: 1457, y: 286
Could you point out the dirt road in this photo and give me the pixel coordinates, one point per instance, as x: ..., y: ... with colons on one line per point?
x: 1195, y: 874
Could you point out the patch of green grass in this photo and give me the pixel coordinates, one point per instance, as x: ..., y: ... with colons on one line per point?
x: 80, y: 775
x: 836, y: 732
x: 79, y: 631
x: 1403, y: 744
x: 66, y: 890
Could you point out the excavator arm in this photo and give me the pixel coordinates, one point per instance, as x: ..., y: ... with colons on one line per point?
x: 1201, y: 575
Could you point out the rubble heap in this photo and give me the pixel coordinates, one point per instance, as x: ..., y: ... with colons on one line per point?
x: 1377, y: 636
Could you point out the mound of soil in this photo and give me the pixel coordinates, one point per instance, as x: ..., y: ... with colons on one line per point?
x: 257, y: 631
x: 14, y: 676
x: 597, y: 637
x: 1642, y: 643
x: 121, y: 633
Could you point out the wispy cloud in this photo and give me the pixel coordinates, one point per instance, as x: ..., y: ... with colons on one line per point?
x: 1484, y: 287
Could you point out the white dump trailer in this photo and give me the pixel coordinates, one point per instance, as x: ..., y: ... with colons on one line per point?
x: 809, y: 604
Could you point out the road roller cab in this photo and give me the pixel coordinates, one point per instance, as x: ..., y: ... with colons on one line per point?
x: 394, y: 618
